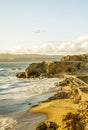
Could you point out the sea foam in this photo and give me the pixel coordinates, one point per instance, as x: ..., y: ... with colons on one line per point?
x: 7, y: 123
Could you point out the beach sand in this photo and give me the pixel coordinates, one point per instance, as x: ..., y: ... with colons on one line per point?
x: 56, y: 109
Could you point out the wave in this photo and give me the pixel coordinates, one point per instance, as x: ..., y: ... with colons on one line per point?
x: 1, y: 69
x: 26, y: 88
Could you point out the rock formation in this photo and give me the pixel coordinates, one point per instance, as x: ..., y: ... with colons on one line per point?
x: 71, y: 87
x: 53, y: 69
x: 76, y: 87
x: 47, y: 126
x: 83, y: 57
x: 76, y: 121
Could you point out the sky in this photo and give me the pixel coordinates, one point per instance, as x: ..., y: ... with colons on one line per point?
x: 44, y: 26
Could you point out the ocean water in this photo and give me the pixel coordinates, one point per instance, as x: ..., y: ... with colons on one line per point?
x: 17, y: 95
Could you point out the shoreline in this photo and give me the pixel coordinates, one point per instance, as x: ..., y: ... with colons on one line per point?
x: 51, y: 110
x: 26, y: 120
x: 57, y: 109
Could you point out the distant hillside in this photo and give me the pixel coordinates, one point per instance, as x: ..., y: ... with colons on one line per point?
x: 27, y: 57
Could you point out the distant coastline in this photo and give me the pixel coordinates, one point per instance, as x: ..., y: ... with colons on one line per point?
x: 6, y: 57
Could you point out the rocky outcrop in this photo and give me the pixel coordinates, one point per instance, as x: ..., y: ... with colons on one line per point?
x: 47, y: 126
x: 83, y: 57
x: 21, y: 75
x: 72, y: 121
x: 76, y: 121
x: 53, y: 69
x: 84, y: 78
x: 77, y: 87
x: 59, y: 95
x: 36, y: 70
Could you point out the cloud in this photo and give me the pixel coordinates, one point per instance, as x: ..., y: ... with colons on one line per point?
x: 78, y: 46
x: 38, y: 31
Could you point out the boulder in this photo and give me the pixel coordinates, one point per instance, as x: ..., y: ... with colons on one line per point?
x: 47, y: 126
x: 21, y: 75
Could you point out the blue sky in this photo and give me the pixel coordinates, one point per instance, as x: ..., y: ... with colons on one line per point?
x: 28, y: 23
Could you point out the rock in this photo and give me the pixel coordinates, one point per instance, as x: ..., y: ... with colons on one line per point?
x: 41, y: 126
x: 72, y: 121
x: 51, y: 124
x: 84, y: 78
x: 21, y: 75
x: 59, y: 95
x: 50, y: 129
x: 47, y: 126
x: 36, y: 69
x: 83, y: 57
x: 54, y: 69
x: 76, y: 121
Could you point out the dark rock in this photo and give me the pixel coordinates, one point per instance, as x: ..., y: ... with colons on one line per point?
x: 21, y: 75
x: 83, y: 57
x: 84, y: 78
x: 53, y: 125
x: 53, y: 69
x: 36, y: 69
x: 41, y: 126
x: 47, y: 126
x: 60, y: 95
x: 72, y: 121
x: 50, y: 129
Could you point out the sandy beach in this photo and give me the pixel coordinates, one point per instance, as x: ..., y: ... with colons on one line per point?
x: 56, y: 109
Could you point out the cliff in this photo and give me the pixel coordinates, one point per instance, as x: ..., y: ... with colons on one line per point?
x: 83, y: 57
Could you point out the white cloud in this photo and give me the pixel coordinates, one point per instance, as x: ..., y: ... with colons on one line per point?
x: 37, y: 31
x: 78, y: 46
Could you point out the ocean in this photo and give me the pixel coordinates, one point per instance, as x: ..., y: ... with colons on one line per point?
x: 19, y: 94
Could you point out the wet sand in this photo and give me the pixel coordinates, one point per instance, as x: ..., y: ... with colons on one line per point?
x: 26, y: 120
